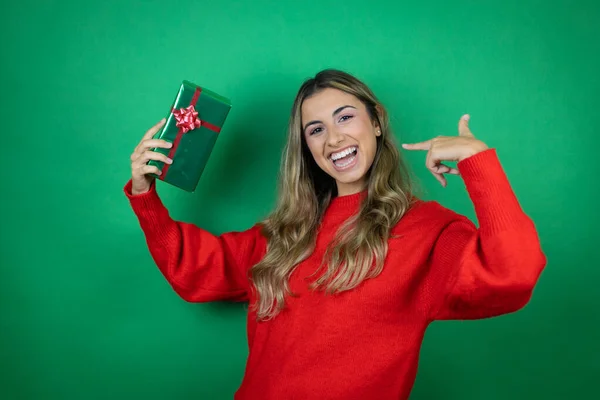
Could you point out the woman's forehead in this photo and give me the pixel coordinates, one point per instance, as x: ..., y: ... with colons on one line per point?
x: 324, y: 103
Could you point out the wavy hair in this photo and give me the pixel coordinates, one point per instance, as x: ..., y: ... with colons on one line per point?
x: 305, y: 191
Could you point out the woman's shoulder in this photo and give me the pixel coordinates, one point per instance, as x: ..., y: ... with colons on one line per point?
x: 430, y: 214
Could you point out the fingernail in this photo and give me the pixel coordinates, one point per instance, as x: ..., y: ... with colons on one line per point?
x: 169, y: 161
x: 466, y: 117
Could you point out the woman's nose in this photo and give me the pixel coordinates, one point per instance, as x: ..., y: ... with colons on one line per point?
x: 334, y: 137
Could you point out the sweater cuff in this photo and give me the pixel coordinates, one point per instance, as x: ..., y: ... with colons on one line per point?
x: 495, y: 203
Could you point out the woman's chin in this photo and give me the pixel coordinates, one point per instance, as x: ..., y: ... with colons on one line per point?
x: 354, y: 178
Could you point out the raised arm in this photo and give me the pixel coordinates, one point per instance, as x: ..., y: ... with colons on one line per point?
x: 199, y: 265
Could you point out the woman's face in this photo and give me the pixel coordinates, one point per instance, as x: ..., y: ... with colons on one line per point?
x: 341, y: 137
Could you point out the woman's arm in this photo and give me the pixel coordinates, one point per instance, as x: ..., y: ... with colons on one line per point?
x: 200, y: 266
x: 490, y: 270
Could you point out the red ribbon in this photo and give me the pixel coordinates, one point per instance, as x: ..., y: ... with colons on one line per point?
x: 187, y: 120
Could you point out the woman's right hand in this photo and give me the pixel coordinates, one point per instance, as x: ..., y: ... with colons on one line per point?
x: 140, y: 170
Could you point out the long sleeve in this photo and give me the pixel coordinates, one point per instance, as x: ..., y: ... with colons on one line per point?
x: 199, y: 265
x: 491, y: 270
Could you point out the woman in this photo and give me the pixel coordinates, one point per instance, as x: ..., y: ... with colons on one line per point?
x: 348, y: 271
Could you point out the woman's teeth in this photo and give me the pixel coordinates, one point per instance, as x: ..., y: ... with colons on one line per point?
x: 344, y: 158
x: 342, y: 154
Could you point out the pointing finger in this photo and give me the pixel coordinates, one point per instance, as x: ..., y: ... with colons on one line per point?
x: 463, y: 126
x: 418, y: 146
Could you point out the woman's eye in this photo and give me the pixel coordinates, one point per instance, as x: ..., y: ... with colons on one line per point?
x: 345, y: 118
x: 316, y: 130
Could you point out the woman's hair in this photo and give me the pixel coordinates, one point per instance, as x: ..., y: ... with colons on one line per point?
x: 305, y: 190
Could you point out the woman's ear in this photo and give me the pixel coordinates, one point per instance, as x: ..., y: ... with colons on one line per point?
x: 376, y: 128
x: 379, y: 117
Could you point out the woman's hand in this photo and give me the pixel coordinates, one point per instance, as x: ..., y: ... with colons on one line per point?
x: 140, y: 170
x: 449, y: 148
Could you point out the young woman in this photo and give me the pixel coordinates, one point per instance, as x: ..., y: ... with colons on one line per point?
x: 351, y: 267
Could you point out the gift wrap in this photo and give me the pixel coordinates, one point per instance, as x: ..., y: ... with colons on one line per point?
x: 193, y: 125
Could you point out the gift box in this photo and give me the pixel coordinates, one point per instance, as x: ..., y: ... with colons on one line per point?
x: 194, y: 122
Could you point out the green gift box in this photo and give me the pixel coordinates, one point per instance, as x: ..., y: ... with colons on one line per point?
x: 193, y: 125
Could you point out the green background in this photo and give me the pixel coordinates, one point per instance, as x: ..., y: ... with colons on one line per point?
x: 84, y: 313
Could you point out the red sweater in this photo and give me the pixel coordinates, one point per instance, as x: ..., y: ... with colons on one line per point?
x: 361, y: 344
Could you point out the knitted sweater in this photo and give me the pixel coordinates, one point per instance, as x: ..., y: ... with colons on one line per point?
x: 364, y: 343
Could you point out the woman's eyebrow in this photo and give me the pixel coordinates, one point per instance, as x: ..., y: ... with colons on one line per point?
x: 337, y: 111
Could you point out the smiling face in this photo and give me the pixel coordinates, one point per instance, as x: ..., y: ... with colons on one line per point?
x: 341, y: 137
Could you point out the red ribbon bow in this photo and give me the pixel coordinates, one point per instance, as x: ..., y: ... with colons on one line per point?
x: 187, y: 119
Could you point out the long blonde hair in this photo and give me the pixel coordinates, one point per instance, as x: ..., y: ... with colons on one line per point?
x: 305, y: 191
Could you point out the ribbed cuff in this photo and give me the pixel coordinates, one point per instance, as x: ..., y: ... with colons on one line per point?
x: 495, y: 203
x: 146, y: 200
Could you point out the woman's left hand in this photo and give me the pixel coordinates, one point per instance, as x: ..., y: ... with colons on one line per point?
x: 449, y: 148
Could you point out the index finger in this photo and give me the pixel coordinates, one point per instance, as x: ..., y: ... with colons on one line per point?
x: 152, y: 131
x: 426, y: 145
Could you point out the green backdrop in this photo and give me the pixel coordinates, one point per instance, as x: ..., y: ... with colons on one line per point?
x: 85, y: 314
